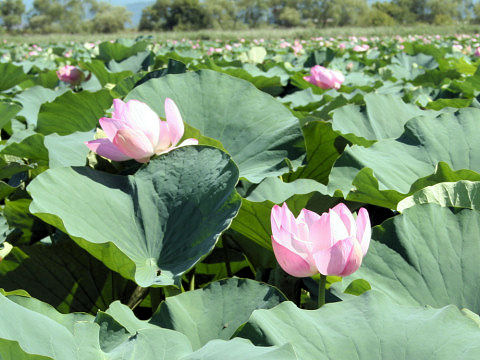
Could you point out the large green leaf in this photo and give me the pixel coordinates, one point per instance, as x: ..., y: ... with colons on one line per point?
x: 324, y: 146
x: 73, y: 112
x: 135, y: 63
x: 382, y: 117
x: 256, y: 130
x: 104, y: 76
x: 20, y: 220
x: 271, y: 81
x: 387, y: 171
x: 26, y: 144
x: 64, y: 275
x: 7, y: 111
x: 238, y: 348
x: 32, y: 99
x: 10, y: 75
x: 428, y: 256
x: 119, y: 51
x: 409, y: 67
x: 69, y: 150
x: 39, y: 329
x: 215, y: 311
x: 368, y: 327
x: 32, y: 330
x: 52, y: 150
x: 462, y: 194
x: 163, y: 219
x: 5, y: 189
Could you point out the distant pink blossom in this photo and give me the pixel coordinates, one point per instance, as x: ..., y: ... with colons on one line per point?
x: 136, y: 132
x: 70, y: 74
x: 477, y: 52
x: 297, y: 47
x: 361, y: 48
x: 325, y: 78
x: 212, y: 50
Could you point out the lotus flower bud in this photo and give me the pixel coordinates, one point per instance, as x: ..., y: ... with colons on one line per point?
x: 331, y: 244
x: 136, y: 132
x: 71, y: 75
x: 325, y: 78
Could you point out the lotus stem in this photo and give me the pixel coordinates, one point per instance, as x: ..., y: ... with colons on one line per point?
x: 137, y: 297
x: 321, y: 290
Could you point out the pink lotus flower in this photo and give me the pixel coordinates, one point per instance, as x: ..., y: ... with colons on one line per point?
x: 325, y: 78
x: 361, y: 48
x: 70, y: 74
x: 457, y: 47
x: 297, y: 47
x: 477, y: 52
x: 136, y: 132
x: 332, y: 244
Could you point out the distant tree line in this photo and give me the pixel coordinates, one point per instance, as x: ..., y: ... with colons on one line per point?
x: 64, y: 16
x: 238, y: 14
x: 74, y: 16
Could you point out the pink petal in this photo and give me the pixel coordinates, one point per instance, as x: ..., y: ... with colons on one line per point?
x: 354, y: 260
x: 310, y: 217
x: 288, y: 221
x: 139, y: 116
x: 174, y: 121
x: 320, y: 233
x: 189, y: 141
x: 105, y: 148
x: 164, y: 142
x: 309, y: 79
x: 280, y: 233
x: 119, y: 110
x: 332, y: 261
x: 134, y: 143
x: 183, y: 143
x: 292, y: 263
x: 291, y: 233
x: 337, y: 227
x: 343, y: 211
x: 364, y: 229
x: 110, y: 126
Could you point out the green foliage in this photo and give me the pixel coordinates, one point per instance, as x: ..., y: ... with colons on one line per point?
x: 173, y: 259
x: 175, y: 15
x: 77, y: 15
x: 11, y: 12
x: 107, y: 18
x: 73, y: 16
